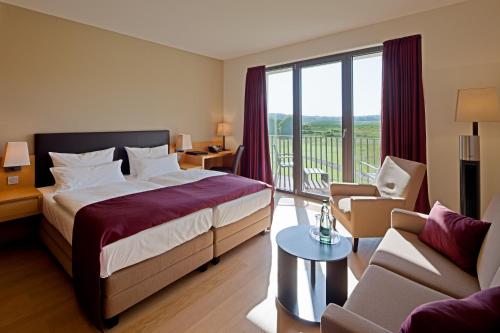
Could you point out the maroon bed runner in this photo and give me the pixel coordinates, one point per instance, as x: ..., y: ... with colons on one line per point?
x: 105, y: 222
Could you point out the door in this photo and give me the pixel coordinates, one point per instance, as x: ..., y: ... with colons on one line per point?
x: 280, y: 125
x: 321, y: 127
x: 324, y: 121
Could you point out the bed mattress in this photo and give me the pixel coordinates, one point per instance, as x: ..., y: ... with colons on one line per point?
x: 136, y: 248
x: 226, y: 213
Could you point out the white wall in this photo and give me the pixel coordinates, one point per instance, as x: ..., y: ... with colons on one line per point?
x: 461, y: 48
x: 61, y: 76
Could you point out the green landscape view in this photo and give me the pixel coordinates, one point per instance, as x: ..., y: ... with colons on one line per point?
x: 364, y: 126
x: 322, y: 144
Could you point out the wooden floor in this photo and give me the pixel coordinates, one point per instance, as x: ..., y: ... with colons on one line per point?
x: 237, y: 295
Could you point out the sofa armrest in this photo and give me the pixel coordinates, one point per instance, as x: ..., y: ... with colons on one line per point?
x: 408, y: 221
x: 349, y: 189
x: 336, y: 319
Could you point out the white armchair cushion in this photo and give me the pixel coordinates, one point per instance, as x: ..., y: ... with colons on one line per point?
x: 392, y: 180
x: 345, y: 205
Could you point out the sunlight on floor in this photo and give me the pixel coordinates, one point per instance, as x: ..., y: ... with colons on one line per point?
x: 290, y: 211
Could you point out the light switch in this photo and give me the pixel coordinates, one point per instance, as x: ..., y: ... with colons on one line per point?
x: 12, y: 180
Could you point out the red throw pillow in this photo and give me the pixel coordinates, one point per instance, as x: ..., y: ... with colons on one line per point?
x: 455, y: 236
x: 476, y: 313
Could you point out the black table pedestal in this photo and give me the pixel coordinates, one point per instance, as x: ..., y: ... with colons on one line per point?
x: 317, y: 294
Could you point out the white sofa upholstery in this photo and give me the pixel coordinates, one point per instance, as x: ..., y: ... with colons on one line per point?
x: 404, y: 273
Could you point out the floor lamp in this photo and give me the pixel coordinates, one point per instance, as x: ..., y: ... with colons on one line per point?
x: 473, y: 105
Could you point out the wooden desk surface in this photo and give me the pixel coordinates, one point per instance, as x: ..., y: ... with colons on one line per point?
x: 210, y: 159
x: 219, y: 154
x: 19, y: 193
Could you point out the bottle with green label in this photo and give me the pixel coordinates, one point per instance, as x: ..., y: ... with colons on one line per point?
x: 325, y: 225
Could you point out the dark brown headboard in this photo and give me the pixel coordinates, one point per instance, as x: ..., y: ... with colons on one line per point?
x: 85, y: 142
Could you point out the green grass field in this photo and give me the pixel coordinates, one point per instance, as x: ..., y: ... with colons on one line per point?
x: 322, y: 143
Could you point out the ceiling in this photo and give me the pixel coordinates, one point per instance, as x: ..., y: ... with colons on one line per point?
x: 225, y: 29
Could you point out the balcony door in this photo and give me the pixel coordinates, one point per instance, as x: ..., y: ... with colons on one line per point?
x: 324, y: 121
x: 321, y: 143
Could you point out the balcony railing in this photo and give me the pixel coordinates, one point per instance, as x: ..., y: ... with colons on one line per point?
x: 322, y: 161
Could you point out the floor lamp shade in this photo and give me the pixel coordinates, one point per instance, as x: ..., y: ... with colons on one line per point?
x: 473, y: 105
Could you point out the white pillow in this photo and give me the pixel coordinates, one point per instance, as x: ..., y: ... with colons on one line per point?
x: 68, y: 178
x: 153, y: 167
x: 135, y: 154
x: 82, y: 160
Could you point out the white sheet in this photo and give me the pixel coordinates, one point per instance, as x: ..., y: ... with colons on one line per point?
x: 184, y: 177
x: 60, y: 210
x: 225, y: 213
x: 234, y: 210
x: 73, y: 201
x: 136, y: 248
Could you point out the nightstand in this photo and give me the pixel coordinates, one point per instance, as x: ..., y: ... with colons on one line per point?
x: 20, y: 202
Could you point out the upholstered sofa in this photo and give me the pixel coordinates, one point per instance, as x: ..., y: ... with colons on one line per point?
x: 404, y: 273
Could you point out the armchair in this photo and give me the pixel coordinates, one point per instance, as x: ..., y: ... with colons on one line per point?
x: 365, y: 209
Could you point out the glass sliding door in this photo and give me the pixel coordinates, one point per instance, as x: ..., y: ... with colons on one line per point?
x: 280, y: 123
x: 367, y: 104
x: 321, y: 126
x: 324, y: 121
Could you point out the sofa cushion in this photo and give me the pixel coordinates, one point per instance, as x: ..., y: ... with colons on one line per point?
x: 476, y: 313
x: 386, y: 298
x: 403, y: 253
x: 455, y: 236
x: 488, y: 261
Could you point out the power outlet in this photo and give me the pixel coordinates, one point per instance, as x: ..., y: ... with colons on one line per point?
x: 12, y: 180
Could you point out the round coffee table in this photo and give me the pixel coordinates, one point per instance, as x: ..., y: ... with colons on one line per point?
x: 307, y: 300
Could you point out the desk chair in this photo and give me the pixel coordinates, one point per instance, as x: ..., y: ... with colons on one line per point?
x: 236, y: 162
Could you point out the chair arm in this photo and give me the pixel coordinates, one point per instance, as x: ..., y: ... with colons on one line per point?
x: 349, y: 189
x: 336, y: 319
x: 382, y: 204
x: 408, y: 221
x: 371, y: 216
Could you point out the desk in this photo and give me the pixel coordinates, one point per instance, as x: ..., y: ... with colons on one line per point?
x: 224, y: 158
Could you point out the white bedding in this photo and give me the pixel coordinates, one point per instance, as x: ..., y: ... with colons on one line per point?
x: 133, y: 249
x: 61, y: 208
x: 228, y: 212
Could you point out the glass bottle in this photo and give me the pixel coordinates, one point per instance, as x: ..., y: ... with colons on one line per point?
x: 325, y: 226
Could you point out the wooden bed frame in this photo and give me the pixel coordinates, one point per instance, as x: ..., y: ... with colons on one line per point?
x: 132, y: 284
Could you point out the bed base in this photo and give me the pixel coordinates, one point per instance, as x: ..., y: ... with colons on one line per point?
x: 132, y: 284
x: 232, y: 235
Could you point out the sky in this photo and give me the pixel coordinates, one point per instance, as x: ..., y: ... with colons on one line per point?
x: 322, y: 88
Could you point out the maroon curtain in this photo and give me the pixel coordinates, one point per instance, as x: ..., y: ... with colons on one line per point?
x: 403, y: 110
x: 256, y: 162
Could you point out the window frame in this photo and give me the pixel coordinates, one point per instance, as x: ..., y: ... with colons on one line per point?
x: 346, y: 60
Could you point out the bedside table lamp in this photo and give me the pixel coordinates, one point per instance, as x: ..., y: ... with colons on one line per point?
x: 16, y: 155
x: 183, y: 142
x: 473, y: 105
x: 223, y: 129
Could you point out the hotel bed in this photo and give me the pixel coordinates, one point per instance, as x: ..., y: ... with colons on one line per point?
x: 135, y: 267
x: 234, y: 221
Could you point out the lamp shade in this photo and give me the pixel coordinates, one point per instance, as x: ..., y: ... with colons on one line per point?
x: 477, y: 105
x: 223, y: 129
x: 183, y: 142
x: 16, y: 154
